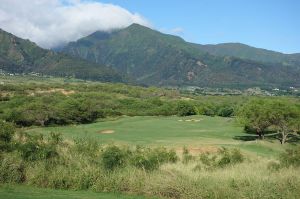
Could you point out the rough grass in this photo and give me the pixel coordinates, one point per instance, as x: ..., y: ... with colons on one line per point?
x: 27, y: 192
x: 251, y: 179
x: 80, y: 167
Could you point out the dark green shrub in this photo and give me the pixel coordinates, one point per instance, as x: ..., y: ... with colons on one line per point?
x: 230, y: 157
x: 274, y: 166
x: 186, y: 156
x: 209, y: 111
x: 12, y: 170
x: 55, y: 138
x: 144, y: 161
x: 185, y: 108
x: 222, y: 159
x: 164, y: 156
x: 166, y: 109
x: 113, y: 157
x: 226, y: 111
x: 151, y: 159
x: 36, y: 148
x: 249, y: 129
x: 7, y: 131
x: 207, y: 160
x: 86, y: 146
x: 236, y: 156
x: 291, y: 157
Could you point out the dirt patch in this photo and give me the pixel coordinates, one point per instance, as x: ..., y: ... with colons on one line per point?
x: 200, y: 150
x: 54, y: 90
x: 186, y: 98
x: 106, y: 131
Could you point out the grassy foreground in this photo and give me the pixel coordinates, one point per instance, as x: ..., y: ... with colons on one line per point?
x: 100, y: 167
x: 196, y: 132
x: 26, y: 192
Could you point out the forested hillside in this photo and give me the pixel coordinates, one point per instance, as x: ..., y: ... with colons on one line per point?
x: 22, y: 56
x: 154, y: 58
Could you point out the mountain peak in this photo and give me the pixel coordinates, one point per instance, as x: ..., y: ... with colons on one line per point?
x: 135, y: 27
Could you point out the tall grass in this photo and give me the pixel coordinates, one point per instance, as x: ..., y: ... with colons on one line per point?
x: 79, y: 166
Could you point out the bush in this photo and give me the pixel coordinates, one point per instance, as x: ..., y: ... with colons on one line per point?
x: 148, y: 159
x: 12, y: 170
x: 36, y: 148
x: 232, y: 157
x: 86, y: 146
x: 7, y: 131
x: 291, y: 157
x: 185, y: 109
x: 224, y: 158
x: 113, y: 157
x: 226, y: 112
x: 208, y: 161
x: 55, y: 138
x: 144, y: 161
x: 186, y: 156
x: 209, y: 111
x: 274, y: 166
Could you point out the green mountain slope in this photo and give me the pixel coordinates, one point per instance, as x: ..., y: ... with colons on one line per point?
x: 22, y: 56
x: 154, y: 58
x: 247, y: 52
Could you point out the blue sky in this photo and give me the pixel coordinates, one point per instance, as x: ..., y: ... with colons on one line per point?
x: 270, y: 24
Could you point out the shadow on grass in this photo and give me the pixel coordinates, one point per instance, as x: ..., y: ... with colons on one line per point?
x: 269, y: 136
x: 294, y: 139
x: 246, y: 137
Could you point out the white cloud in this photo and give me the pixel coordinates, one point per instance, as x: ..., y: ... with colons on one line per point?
x: 177, y: 31
x: 50, y: 23
x: 173, y: 31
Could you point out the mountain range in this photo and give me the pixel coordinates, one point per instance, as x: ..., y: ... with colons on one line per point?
x: 154, y: 58
x: 149, y: 57
x: 247, y: 52
x: 23, y: 56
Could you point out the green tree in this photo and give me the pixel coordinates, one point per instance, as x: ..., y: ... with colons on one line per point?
x: 185, y: 108
x: 285, y: 118
x: 256, y: 115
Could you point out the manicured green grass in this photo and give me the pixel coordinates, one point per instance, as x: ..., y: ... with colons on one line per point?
x: 25, y: 192
x: 176, y: 132
x: 155, y: 130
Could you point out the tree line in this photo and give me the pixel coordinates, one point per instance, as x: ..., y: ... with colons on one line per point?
x: 281, y: 116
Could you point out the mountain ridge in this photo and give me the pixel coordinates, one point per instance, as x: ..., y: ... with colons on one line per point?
x: 23, y: 56
x: 245, y: 51
x: 154, y: 58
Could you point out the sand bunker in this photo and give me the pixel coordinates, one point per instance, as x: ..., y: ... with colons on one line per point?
x: 191, y: 120
x: 106, y: 131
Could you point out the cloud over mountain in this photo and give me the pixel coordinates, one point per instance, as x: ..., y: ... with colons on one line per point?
x: 50, y: 23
